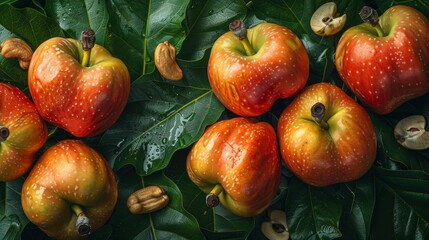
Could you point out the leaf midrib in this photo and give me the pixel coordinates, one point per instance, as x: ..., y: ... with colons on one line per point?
x: 399, y: 197
x: 165, y: 120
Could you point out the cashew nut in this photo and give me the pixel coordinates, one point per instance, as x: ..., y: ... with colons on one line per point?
x: 325, y: 21
x: 410, y: 132
x: 17, y: 48
x: 147, y: 200
x: 275, y: 228
x: 165, y: 61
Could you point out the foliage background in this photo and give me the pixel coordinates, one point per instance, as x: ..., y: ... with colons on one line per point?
x: 149, y: 143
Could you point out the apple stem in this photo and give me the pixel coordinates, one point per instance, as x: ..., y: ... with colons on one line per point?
x: 88, y: 42
x: 318, y: 111
x: 4, y: 133
x: 369, y: 15
x: 83, y: 227
x: 238, y: 28
x: 212, y: 199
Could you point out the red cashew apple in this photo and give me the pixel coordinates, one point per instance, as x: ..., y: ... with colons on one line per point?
x: 236, y: 162
x: 22, y: 133
x: 249, y: 70
x: 82, y: 89
x: 70, y: 192
x: 385, y: 62
x: 326, y: 137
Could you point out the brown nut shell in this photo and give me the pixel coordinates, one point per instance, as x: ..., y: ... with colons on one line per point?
x: 147, y: 200
x: 165, y: 61
x: 17, y: 48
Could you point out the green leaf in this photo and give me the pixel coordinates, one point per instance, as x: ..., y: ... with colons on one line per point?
x: 420, y: 5
x: 171, y: 222
x: 12, y: 217
x: 77, y: 16
x: 159, y: 119
x: 10, y: 228
x: 205, y: 21
x: 136, y: 27
x: 7, y: 1
x: 292, y: 14
x: 312, y: 213
x: 408, y: 195
x: 216, y: 223
x: 28, y: 24
x: 358, y: 216
x: 321, y: 58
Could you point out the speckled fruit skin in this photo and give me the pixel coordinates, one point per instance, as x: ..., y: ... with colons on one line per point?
x: 27, y: 133
x: 249, y: 85
x: 242, y: 155
x: 385, y: 72
x: 320, y: 157
x: 69, y: 172
x: 84, y: 101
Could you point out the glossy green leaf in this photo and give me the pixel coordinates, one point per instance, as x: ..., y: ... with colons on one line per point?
x: 7, y: 1
x: 160, y: 118
x: 77, y: 16
x: 420, y: 5
x: 312, y: 212
x: 205, y: 21
x: 321, y: 58
x: 292, y: 14
x: 408, y: 194
x: 136, y: 27
x: 171, y: 222
x: 12, y: 217
x: 10, y: 228
x: 358, y: 216
x: 28, y: 24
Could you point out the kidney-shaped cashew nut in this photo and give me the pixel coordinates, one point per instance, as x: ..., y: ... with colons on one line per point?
x: 17, y: 48
x: 165, y: 61
x: 325, y: 22
x: 147, y: 200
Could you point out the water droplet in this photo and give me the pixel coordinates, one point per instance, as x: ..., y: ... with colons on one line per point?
x: 164, y: 140
x: 120, y: 143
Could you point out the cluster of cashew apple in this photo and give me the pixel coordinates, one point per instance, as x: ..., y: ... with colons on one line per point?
x: 80, y: 87
x: 322, y: 131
